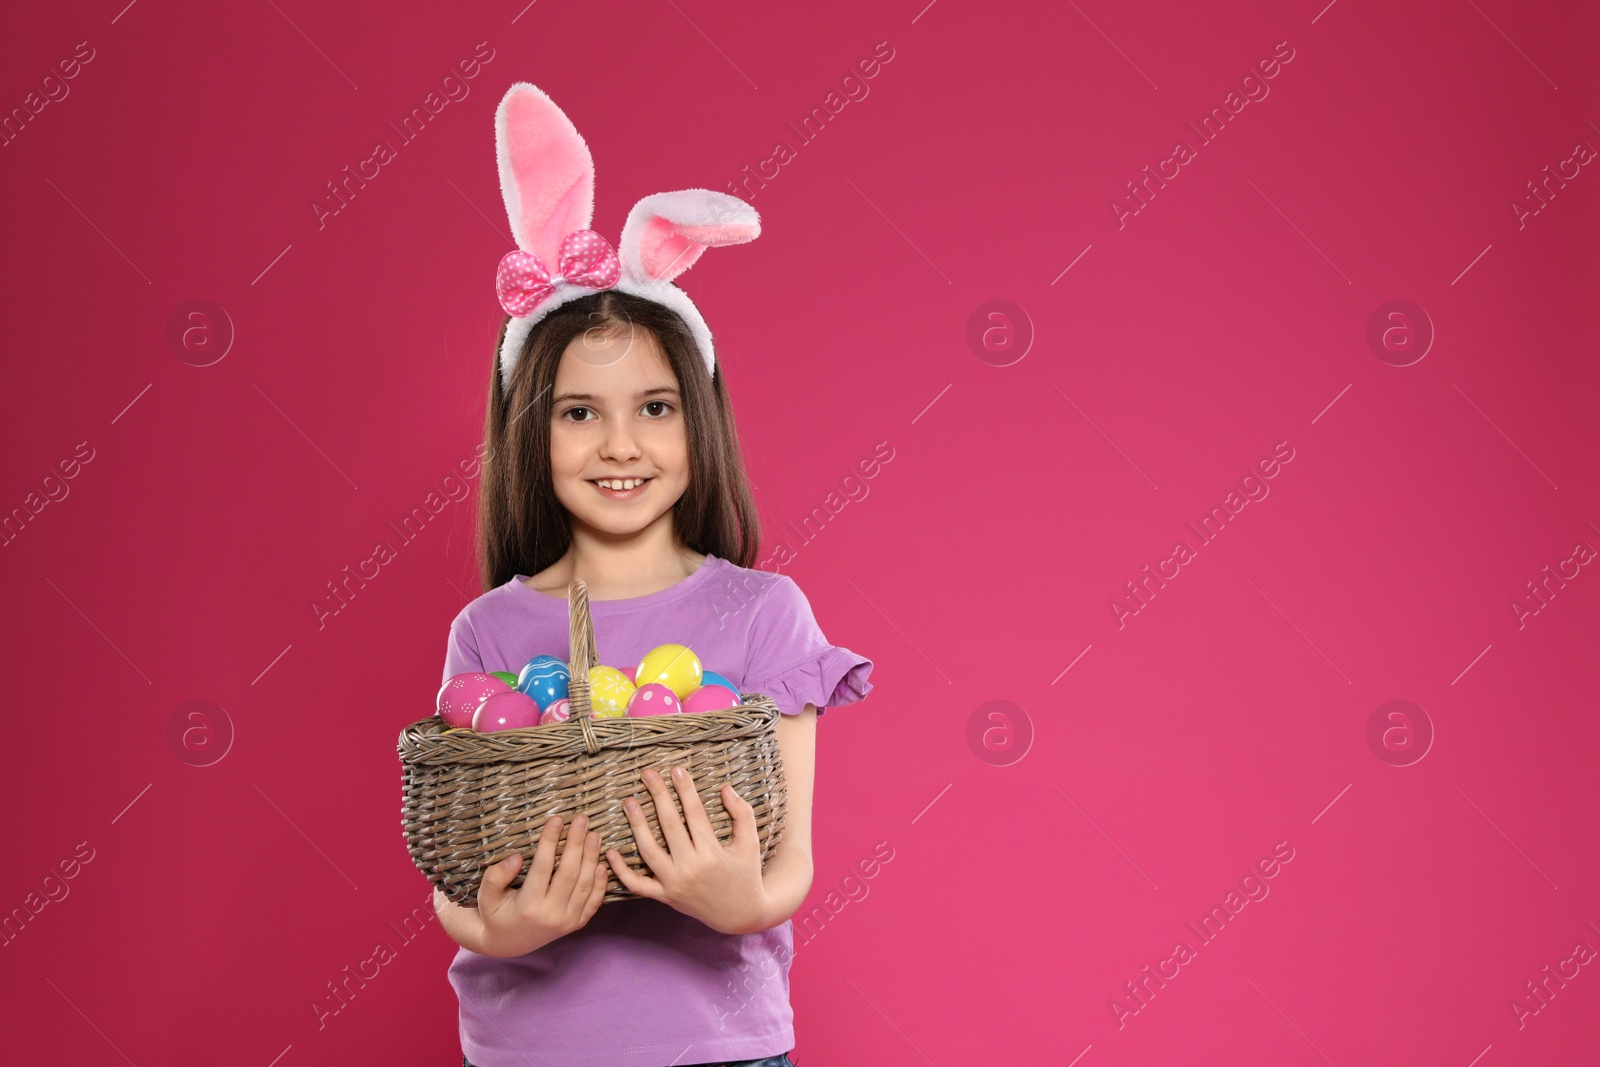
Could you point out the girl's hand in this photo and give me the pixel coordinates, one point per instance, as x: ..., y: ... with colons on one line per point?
x: 700, y: 876
x: 518, y: 921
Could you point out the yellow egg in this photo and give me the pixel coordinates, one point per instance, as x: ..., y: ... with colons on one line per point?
x: 673, y: 666
x: 609, y: 692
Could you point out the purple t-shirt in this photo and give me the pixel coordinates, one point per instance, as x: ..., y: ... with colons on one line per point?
x: 641, y: 984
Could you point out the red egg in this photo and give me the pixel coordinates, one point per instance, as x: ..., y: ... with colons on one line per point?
x: 560, y: 711
x: 460, y: 696
x: 505, y: 711
x: 653, y: 698
x: 711, y: 698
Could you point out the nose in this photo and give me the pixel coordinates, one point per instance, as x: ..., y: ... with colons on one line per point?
x: 619, y: 442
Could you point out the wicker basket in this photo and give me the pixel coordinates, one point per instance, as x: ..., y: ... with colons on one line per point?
x: 470, y: 800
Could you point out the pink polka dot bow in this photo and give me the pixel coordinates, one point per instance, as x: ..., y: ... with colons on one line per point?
x: 586, y: 260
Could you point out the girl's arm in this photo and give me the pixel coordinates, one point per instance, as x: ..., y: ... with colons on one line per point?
x: 724, y: 884
x: 788, y: 874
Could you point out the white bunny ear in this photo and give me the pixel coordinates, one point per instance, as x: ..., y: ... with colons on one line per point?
x: 666, y: 232
x: 546, y: 171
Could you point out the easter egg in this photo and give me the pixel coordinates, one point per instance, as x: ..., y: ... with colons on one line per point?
x: 653, y: 698
x: 629, y: 672
x: 674, y: 666
x: 460, y: 696
x: 713, y: 678
x: 711, y: 698
x: 508, y: 677
x: 560, y: 711
x: 505, y: 711
x: 545, y: 679
x: 609, y: 692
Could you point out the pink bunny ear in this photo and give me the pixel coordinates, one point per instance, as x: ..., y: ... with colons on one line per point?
x: 666, y: 232
x: 546, y: 172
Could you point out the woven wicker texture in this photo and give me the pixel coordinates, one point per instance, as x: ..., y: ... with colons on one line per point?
x: 469, y: 800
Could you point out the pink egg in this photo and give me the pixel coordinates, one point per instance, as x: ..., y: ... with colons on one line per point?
x: 505, y: 711
x: 460, y: 696
x: 711, y: 698
x: 560, y: 711
x: 653, y: 698
x: 629, y: 672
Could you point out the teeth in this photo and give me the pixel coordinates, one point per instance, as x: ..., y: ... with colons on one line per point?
x: 620, y: 484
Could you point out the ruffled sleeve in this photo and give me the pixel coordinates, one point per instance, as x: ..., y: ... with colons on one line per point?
x: 792, y: 662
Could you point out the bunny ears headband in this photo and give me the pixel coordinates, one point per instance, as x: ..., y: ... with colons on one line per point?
x: 547, y: 180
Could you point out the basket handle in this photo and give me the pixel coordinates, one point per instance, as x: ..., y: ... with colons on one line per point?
x: 581, y: 634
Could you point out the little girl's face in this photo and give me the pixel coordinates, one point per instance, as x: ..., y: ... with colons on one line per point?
x: 617, y: 415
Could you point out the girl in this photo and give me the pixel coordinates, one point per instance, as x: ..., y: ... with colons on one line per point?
x: 612, y: 457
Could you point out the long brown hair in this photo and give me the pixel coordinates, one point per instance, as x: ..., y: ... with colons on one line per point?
x: 522, y: 527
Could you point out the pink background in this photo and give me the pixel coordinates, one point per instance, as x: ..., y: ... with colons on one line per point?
x: 212, y: 905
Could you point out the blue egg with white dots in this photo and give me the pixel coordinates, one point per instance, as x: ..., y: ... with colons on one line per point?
x: 545, y: 679
x: 713, y: 678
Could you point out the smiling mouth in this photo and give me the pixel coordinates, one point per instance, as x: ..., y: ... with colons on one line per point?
x: 621, y: 494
